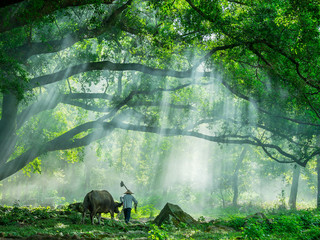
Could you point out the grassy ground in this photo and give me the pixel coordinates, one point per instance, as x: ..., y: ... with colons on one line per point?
x: 46, y: 223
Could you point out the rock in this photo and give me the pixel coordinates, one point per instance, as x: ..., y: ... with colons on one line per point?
x: 260, y: 217
x: 174, y: 213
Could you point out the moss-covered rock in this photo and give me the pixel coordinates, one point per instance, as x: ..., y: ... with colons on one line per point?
x: 173, y: 213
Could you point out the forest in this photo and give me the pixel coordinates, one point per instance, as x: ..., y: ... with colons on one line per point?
x: 208, y: 106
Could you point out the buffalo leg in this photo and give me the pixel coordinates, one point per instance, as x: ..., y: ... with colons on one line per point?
x: 92, y: 214
x: 83, y: 215
x: 99, y: 218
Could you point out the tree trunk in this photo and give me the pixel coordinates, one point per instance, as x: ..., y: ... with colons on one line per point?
x: 222, y: 198
x: 235, y: 185
x: 8, y: 126
x: 318, y: 183
x: 294, y: 187
x: 120, y: 83
x: 222, y: 182
x: 318, y: 174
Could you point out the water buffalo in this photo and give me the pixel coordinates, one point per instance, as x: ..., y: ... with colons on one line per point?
x: 97, y: 202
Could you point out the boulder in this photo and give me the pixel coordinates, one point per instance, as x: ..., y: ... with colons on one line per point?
x: 173, y: 213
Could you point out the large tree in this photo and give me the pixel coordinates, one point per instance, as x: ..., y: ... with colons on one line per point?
x: 158, y: 66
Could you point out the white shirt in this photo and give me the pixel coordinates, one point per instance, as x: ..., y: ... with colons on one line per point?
x: 127, y: 200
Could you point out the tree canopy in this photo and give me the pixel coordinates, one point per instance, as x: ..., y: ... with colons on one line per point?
x: 237, y: 72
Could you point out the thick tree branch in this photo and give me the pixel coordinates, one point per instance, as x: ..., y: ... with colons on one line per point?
x: 33, y: 48
x: 256, y: 104
x: 274, y: 132
x: 216, y: 20
x: 77, y: 96
x: 62, y: 142
x: 158, y: 104
x: 229, y: 139
x: 102, y: 129
x: 310, y: 82
x: 27, y: 12
x: 45, y: 103
x: 202, y: 14
x: 107, y: 65
x: 311, y: 106
x: 9, y: 3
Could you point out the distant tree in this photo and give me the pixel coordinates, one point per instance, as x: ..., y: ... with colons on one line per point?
x: 235, y: 178
x: 294, y: 187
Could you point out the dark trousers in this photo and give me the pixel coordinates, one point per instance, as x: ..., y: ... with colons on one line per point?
x: 127, y: 214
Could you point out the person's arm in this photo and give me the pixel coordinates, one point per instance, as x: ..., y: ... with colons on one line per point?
x: 135, y: 203
x: 134, y: 200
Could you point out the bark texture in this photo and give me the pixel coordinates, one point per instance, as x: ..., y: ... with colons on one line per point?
x: 294, y: 187
x: 236, y: 177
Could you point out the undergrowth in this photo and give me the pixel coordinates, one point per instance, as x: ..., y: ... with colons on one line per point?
x: 47, y: 223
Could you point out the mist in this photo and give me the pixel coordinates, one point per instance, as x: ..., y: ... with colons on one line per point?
x: 194, y: 173
x: 172, y: 127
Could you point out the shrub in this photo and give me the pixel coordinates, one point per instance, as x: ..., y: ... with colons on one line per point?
x: 158, y: 233
x: 291, y: 224
x: 235, y: 222
x: 254, y: 230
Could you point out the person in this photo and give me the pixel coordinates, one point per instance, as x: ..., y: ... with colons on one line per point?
x: 127, y: 200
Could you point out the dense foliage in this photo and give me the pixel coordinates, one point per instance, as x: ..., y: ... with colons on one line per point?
x: 158, y: 66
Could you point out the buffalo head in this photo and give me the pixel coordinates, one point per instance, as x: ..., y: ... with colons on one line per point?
x: 116, y: 207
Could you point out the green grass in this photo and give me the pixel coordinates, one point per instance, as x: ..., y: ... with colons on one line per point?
x: 40, y: 223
